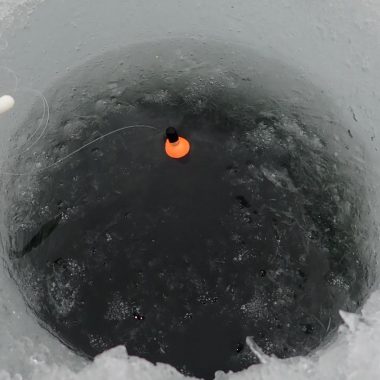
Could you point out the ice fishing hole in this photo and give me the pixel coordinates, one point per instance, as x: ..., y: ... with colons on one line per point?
x: 259, y: 232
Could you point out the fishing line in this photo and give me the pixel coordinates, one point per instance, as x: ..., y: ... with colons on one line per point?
x: 38, y: 171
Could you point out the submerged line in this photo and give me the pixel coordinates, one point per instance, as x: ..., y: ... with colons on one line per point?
x: 38, y: 171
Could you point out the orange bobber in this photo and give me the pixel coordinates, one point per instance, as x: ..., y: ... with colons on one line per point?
x: 176, y: 146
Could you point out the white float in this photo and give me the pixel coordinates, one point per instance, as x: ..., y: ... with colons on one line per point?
x: 7, y: 102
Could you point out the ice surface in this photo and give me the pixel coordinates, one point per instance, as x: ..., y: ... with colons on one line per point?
x: 353, y: 356
x: 336, y: 43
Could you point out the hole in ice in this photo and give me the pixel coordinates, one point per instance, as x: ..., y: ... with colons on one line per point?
x: 255, y: 234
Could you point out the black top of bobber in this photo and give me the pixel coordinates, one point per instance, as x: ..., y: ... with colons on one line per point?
x: 172, y: 135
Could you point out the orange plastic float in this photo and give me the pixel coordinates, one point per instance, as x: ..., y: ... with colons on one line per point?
x: 176, y: 146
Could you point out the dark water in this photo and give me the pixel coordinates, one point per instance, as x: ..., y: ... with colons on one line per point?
x: 250, y: 235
